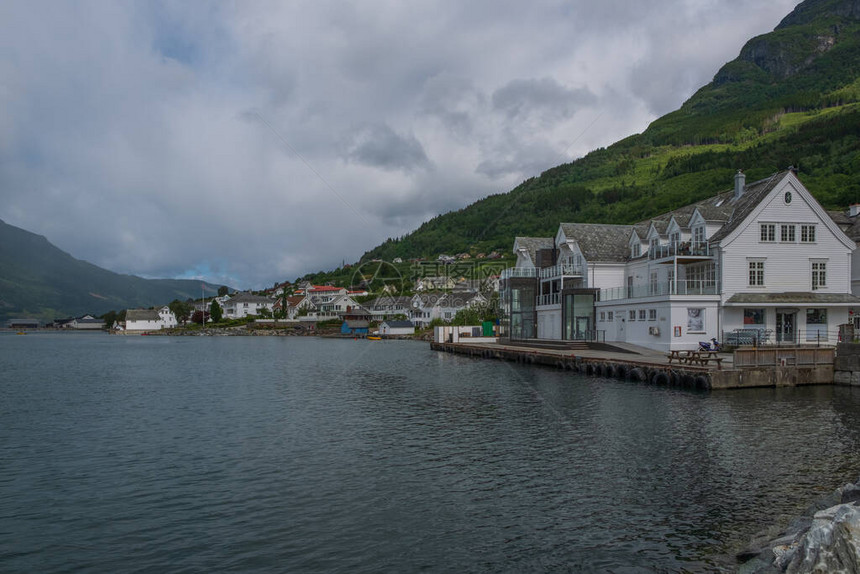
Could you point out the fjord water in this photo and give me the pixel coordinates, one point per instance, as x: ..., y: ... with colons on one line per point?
x: 264, y: 454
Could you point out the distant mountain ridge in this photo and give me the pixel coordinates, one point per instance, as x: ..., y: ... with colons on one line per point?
x: 40, y: 281
x: 791, y: 98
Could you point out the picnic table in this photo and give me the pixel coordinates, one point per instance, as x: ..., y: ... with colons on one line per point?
x: 702, y: 358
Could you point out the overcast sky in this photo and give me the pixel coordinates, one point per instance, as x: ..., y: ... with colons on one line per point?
x: 250, y: 142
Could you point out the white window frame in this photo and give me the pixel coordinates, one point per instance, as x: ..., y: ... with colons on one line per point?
x: 787, y: 233
x: 807, y: 233
x: 818, y: 274
x: 756, y: 272
x: 767, y: 233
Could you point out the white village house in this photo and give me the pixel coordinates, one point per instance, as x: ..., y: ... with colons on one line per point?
x: 762, y: 261
x: 143, y: 320
x: 246, y: 305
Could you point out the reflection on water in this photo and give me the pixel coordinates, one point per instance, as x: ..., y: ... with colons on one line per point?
x: 309, y: 455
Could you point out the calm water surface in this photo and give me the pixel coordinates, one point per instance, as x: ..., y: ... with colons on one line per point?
x: 156, y: 454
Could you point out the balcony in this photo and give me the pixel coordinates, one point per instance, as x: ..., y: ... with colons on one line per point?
x: 664, y: 289
x: 557, y: 271
x: 548, y: 299
x: 512, y: 272
x: 693, y: 251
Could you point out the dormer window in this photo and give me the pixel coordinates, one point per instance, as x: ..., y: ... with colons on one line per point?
x: 636, y: 250
x: 699, y: 235
x: 675, y: 238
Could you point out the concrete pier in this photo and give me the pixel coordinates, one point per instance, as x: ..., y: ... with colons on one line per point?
x: 640, y: 364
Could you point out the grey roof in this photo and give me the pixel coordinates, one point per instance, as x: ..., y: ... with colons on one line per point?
x: 735, y: 211
x: 532, y: 244
x: 358, y: 324
x: 850, y: 225
x: 248, y: 298
x: 400, y: 324
x: 142, y: 315
x: 598, y: 241
x: 794, y: 298
x: 660, y: 225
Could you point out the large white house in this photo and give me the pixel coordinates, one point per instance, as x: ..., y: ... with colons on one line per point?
x: 246, y: 304
x: 143, y: 320
x: 759, y: 262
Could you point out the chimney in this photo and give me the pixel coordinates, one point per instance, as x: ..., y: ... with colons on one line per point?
x: 740, y: 181
x: 854, y: 210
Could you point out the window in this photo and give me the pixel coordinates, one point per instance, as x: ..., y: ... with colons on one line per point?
x: 654, y: 244
x: 756, y: 273
x: 675, y: 238
x: 653, y: 284
x: 641, y: 314
x: 816, y: 324
x: 602, y: 316
x: 807, y: 234
x: 753, y: 317
x: 786, y: 233
x: 768, y: 232
x: 637, y: 250
x: 610, y: 316
x: 670, y: 279
x: 632, y: 315
x: 652, y: 314
x: 819, y: 275
x: 699, y: 235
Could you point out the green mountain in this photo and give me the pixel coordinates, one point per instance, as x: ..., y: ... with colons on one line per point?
x: 792, y: 97
x: 38, y: 280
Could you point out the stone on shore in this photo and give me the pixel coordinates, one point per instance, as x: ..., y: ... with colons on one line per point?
x: 827, y: 541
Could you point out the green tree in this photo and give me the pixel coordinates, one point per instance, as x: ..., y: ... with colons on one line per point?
x: 223, y: 290
x: 181, y: 310
x: 215, y: 311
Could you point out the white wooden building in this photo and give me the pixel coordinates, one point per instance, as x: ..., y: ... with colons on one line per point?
x: 144, y: 320
x: 762, y: 261
x: 247, y: 305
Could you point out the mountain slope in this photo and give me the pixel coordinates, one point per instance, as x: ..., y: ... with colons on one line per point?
x: 38, y: 280
x: 792, y: 97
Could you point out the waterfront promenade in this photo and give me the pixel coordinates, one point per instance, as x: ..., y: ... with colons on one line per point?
x: 635, y: 363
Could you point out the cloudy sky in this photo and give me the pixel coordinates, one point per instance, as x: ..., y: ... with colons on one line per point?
x: 250, y: 142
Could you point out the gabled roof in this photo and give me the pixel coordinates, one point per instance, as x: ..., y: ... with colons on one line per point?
x: 598, y: 241
x: 248, y: 298
x: 739, y: 209
x: 532, y: 244
x: 142, y: 315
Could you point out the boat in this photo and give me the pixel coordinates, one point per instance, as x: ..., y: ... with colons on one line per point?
x: 374, y: 338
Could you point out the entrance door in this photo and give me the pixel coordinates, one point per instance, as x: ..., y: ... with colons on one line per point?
x: 785, y: 327
x: 582, y: 327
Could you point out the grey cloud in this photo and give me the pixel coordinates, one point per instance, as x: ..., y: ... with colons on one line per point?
x: 544, y: 98
x: 124, y: 137
x: 377, y: 145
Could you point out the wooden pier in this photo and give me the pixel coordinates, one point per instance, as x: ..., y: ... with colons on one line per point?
x: 649, y: 366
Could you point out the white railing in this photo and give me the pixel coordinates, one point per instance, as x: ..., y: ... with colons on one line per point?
x: 549, y: 299
x: 519, y: 272
x: 686, y: 248
x: 694, y: 287
x: 566, y: 270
